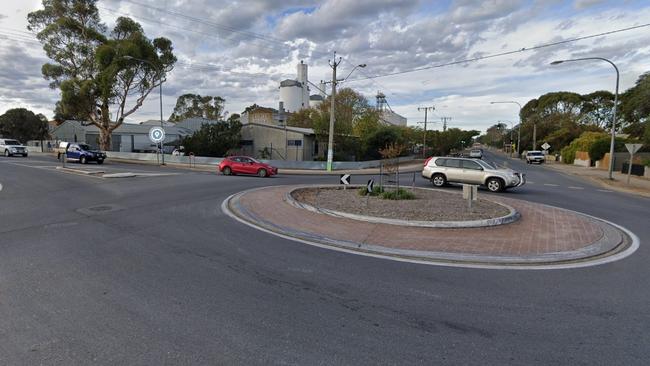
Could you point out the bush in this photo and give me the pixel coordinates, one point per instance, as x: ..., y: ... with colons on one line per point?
x: 598, y: 149
x: 401, y: 194
x: 646, y: 162
x: 582, y: 143
x: 375, y: 191
x: 568, y: 154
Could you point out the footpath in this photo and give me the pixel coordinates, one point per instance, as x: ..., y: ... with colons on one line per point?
x: 638, y: 185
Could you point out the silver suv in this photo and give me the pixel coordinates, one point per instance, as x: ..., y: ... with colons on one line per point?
x: 443, y: 170
x: 11, y: 147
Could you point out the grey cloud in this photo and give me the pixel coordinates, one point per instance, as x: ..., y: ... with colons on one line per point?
x: 467, y: 11
x: 584, y: 4
x: 337, y: 18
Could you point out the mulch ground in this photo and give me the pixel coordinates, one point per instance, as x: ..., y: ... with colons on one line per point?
x: 428, y: 205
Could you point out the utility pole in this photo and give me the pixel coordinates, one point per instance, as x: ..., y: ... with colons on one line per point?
x: 424, y: 142
x: 534, y: 135
x: 444, y: 123
x: 330, y: 143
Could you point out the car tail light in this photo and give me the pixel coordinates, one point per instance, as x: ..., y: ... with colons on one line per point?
x: 426, y: 162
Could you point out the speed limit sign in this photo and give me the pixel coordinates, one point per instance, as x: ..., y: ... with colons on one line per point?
x: 156, y: 134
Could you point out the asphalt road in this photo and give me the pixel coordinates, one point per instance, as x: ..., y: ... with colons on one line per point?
x: 149, y: 271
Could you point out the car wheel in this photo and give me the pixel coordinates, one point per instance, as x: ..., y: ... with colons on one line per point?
x: 494, y: 185
x: 83, y: 160
x: 7, y: 154
x: 226, y: 171
x: 262, y: 173
x: 100, y: 161
x: 438, y: 180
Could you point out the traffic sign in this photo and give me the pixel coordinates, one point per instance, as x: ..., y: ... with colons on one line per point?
x: 633, y: 148
x: 546, y: 146
x: 156, y: 134
x: 345, y: 179
x: 370, y: 185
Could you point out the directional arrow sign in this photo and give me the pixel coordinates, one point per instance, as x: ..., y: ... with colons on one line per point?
x: 370, y: 185
x: 546, y: 146
x: 345, y: 179
x: 632, y: 148
x: 156, y: 134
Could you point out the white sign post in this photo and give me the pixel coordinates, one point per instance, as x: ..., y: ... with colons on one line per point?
x: 157, y: 136
x: 632, y: 148
x: 470, y: 193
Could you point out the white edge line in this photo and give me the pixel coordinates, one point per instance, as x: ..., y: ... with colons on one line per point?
x: 612, y: 258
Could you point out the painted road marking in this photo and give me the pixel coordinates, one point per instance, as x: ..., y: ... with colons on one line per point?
x: 551, y: 185
x: 576, y: 188
x: 604, y: 190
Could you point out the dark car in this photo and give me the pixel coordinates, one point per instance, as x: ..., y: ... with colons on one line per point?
x: 84, y: 153
x: 246, y: 165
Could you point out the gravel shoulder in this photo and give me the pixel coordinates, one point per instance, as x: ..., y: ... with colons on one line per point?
x: 428, y: 205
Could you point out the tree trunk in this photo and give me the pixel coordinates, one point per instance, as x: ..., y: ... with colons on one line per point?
x: 104, y: 139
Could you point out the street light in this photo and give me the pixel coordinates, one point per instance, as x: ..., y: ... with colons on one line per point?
x: 611, y: 145
x: 162, y: 143
x: 330, y: 141
x: 519, y: 128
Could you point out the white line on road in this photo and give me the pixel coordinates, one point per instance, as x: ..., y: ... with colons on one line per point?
x: 576, y: 188
x: 551, y: 185
x: 603, y: 190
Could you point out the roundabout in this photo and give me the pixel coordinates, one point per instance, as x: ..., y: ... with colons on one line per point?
x: 528, y: 236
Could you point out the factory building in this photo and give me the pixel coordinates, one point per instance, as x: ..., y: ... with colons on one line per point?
x: 294, y: 94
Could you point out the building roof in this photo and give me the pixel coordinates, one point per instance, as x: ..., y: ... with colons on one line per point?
x: 155, y: 122
x: 289, y: 82
x: 302, y: 130
x: 194, y: 124
x: 125, y: 128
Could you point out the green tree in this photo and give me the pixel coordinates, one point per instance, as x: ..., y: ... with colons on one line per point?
x: 635, y: 108
x: 214, y: 139
x: 302, y: 118
x: 197, y: 106
x: 23, y: 125
x: 597, y: 109
x: 89, y: 65
x: 382, y: 138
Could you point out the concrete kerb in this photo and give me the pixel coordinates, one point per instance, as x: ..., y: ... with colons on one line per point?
x: 512, y: 216
x: 613, y: 246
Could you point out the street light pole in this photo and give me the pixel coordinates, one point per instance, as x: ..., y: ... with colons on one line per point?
x: 518, y: 128
x: 330, y: 141
x: 618, y: 76
x: 162, y: 143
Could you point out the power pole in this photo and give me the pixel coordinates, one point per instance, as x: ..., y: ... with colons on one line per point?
x: 534, y: 136
x: 330, y: 143
x: 444, y: 122
x: 424, y: 142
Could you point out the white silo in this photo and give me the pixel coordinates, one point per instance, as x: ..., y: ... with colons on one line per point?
x: 291, y: 95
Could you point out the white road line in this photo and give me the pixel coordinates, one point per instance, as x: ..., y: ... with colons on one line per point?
x: 576, y: 188
x: 530, y: 182
x: 604, y: 190
x: 551, y: 185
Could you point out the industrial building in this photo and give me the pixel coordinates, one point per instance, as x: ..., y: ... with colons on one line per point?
x: 294, y: 94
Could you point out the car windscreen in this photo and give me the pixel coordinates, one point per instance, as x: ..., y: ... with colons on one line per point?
x: 84, y: 147
x: 488, y: 164
x: 535, y: 153
x: 12, y: 142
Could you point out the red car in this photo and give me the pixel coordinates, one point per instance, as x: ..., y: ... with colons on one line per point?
x: 246, y: 165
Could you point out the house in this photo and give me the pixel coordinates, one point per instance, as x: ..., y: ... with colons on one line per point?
x: 128, y: 137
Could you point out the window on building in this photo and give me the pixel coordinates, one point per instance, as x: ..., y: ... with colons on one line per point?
x: 296, y: 143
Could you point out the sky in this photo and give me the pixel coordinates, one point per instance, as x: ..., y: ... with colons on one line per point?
x: 241, y: 50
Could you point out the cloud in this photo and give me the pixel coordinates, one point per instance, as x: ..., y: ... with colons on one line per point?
x: 584, y: 4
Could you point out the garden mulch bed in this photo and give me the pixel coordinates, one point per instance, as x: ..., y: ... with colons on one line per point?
x: 429, y: 205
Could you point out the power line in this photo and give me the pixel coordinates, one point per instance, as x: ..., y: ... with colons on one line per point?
x: 504, y: 53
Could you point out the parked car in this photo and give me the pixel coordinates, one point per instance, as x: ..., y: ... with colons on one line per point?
x: 476, y: 153
x: 535, y: 157
x: 246, y: 165
x: 11, y: 147
x: 83, y: 153
x: 443, y: 170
